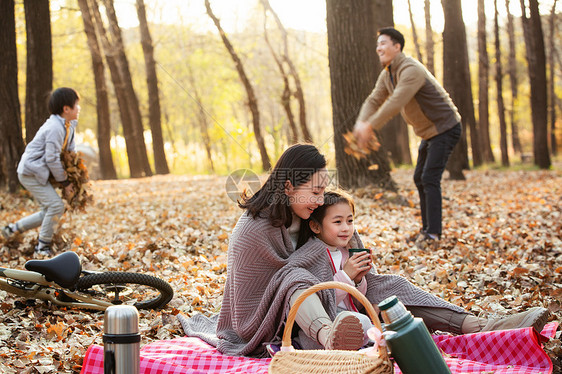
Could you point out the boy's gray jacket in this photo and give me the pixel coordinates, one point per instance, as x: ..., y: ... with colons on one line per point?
x: 263, y: 272
x: 42, y: 154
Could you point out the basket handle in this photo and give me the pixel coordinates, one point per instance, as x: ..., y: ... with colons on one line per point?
x: 327, y: 285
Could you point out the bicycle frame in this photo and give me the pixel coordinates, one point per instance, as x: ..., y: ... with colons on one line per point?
x: 34, y: 285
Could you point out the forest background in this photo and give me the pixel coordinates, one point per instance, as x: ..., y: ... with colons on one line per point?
x: 204, y: 111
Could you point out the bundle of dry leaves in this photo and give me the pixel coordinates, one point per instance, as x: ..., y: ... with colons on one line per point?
x: 77, y: 174
x: 352, y: 148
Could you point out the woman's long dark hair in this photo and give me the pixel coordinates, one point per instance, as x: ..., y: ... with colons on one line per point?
x: 297, y: 164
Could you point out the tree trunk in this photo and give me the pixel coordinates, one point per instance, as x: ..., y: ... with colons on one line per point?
x: 154, y: 116
x: 513, y: 82
x: 429, y: 45
x: 252, y: 99
x: 11, y: 141
x: 552, y: 69
x: 352, y: 56
x: 286, y: 94
x: 414, y: 33
x: 394, y: 136
x: 107, y: 167
x: 127, y: 80
x: 204, y: 127
x: 298, y: 93
x: 536, y: 59
x: 483, y: 85
x: 201, y: 119
x: 135, y: 167
x: 499, y: 90
x: 39, y: 68
x: 456, y: 80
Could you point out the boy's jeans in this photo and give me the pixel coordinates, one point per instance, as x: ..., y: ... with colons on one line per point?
x: 52, y: 208
x: 433, y: 155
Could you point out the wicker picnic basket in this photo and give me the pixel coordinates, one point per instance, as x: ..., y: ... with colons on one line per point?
x: 289, y: 361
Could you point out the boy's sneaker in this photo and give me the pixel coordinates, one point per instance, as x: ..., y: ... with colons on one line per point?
x: 43, y: 251
x: 7, y: 232
x: 346, y: 333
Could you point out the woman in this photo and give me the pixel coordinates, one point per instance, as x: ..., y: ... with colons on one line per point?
x: 266, y: 272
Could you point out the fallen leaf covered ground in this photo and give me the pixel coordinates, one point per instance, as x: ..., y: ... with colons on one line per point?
x: 501, y: 253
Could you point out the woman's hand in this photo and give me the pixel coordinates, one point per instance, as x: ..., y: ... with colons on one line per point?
x: 358, y: 265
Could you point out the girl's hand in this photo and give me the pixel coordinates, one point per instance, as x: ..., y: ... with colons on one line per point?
x: 358, y: 265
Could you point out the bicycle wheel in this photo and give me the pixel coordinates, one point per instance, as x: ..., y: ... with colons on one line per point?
x: 141, y: 290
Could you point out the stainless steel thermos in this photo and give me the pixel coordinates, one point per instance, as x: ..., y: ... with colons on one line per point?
x: 121, y: 340
x: 409, y: 341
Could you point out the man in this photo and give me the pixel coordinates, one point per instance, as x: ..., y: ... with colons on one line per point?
x: 405, y: 86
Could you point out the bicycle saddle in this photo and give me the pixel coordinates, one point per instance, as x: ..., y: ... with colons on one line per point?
x: 63, y: 269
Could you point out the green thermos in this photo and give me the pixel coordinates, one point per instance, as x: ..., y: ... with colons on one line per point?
x: 409, y: 341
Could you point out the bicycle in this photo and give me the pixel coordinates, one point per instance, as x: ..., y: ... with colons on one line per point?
x: 61, y: 281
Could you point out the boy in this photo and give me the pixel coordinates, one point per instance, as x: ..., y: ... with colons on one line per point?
x: 42, y: 159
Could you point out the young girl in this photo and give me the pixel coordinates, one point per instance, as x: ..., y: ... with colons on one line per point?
x: 332, y: 223
x: 41, y: 159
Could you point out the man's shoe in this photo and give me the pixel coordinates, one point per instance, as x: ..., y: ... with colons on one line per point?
x: 535, y: 317
x: 427, y: 241
x: 346, y: 333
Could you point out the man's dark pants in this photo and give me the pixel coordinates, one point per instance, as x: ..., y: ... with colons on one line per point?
x: 433, y: 155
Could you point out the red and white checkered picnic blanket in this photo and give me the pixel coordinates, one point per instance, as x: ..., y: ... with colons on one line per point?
x: 499, y: 352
